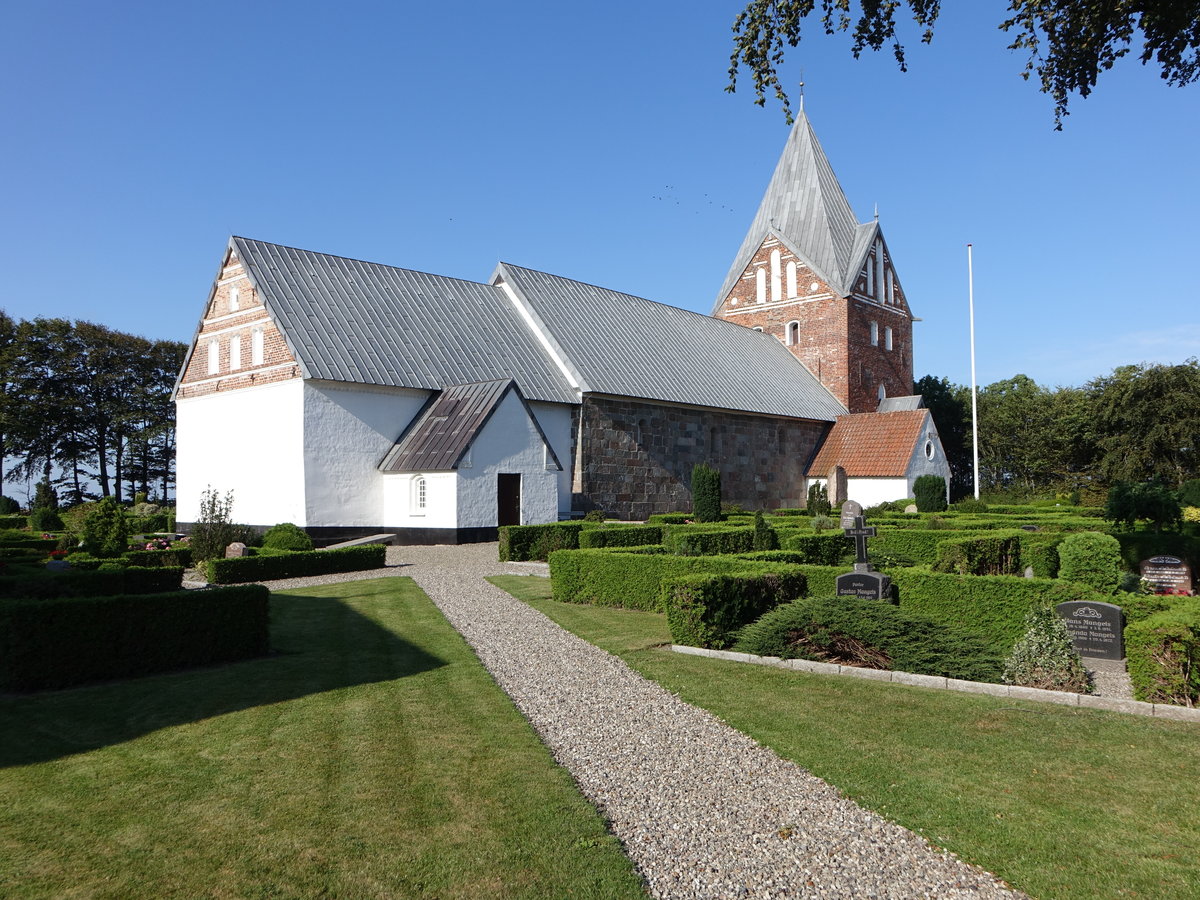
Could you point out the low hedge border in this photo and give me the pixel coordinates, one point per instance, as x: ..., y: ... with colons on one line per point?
x: 620, y: 536
x: 47, y: 585
x: 59, y: 643
x: 177, y: 556
x: 14, y: 521
x: 295, y: 565
x: 535, y: 543
x: 823, y: 549
x: 706, y: 610
x: 1163, y: 655
x: 688, y: 541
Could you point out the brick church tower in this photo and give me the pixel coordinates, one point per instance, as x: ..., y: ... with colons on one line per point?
x: 810, y: 275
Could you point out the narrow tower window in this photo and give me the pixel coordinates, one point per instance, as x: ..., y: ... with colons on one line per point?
x: 791, y: 279
x: 235, y: 352
x: 793, y: 334
x: 214, y: 357
x: 874, y: 334
x: 776, y: 277
x: 256, y: 347
x: 887, y: 337
x: 760, y: 285
x: 233, y: 300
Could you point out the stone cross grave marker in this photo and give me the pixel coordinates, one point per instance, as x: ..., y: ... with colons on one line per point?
x: 1097, y: 629
x: 864, y: 582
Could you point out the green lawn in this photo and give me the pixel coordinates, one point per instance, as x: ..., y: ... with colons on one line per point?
x: 1060, y: 803
x: 370, y: 756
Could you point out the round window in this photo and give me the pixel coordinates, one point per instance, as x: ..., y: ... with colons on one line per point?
x: 928, y: 449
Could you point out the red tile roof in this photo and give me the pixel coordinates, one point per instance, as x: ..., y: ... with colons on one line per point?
x: 870, y: 445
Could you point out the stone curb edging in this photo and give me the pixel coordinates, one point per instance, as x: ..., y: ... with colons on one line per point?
x: 1063, y: 698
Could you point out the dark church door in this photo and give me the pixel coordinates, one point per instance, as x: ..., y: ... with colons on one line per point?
x: 508, y: 499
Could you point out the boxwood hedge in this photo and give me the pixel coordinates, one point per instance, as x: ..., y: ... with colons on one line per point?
x: 528, y: 543
x: 620, y: 536
x: 46, y: 585
x: 295, y: 565
x: 705, y: 610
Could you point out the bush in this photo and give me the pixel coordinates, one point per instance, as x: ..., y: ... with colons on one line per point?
x: 13, y: 521
x: 686, y: 541
x: 1150, y: 500
x: 823, y: 523
x: 286, y: 536
x: 1189, y: 493
x: 930, y: 491
x: 105, y: 533
x: 705, y: 610
x: 818, y: 500
x: 820, y: 549
x: 85, y: 581
x: 213, y: 530
x: 295, y: 565
x: 764, y: 535
x: 994, y: 553
x: 44, y: 496
x: 1045, y: 658
x: 706, y: 493
x: 1163, y: 655
x: 9, y: 506
x: 526, y: 543
x: 148, y: 524
x: 45, y: 519
x: 59, y: 643
x: 1092, y: 559
x: 620, y: 536
x: 174, y: 556
x: 873, y: 635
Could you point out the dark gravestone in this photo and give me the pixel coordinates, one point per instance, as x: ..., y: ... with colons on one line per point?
x: 851, y: 510
x: 1097, y: 629
x: 1029, y: 528
x: 863, y: 582
x: 1167, y: 574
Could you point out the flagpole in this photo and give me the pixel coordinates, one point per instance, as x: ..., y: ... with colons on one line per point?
x: 974, y: 390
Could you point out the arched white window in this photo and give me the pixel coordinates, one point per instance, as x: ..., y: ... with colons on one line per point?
x: 891, y: 286
x: 793, y: 334
x: 870, y: 278
x: 776, y: 277
x: 887, y: 337
x: 234, y: 305
x: 882, y: 392
x: 214, y: 357
x: 256, y: 347
x: 791, y: 278
x: 419, y: 495
x: 874, y: 334
x: 235, y: 352
x: 760, y: 285
x: 878, y: 292
x: 758, y: 328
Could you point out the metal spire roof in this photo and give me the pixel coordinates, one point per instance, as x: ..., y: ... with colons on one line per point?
x: 805, y: 207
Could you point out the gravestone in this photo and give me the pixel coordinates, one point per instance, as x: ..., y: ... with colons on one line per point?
x: 911, y: 509
x: 1167, y: 574
x: 1097, y: 629
x: 236, y: 550
x: 836, y: 485
x: 1029, y: 528
x: 864, y: 582
x: 851, y: 510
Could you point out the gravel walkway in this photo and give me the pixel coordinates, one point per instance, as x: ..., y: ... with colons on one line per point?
x: 702, y: 810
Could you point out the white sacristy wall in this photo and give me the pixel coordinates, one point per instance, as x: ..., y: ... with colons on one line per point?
x: 348, y: 429
x: 928, y: 458
x: 400, y: 508
x: 509, y: 442
x: 249, y: 442
x: 555, y: 419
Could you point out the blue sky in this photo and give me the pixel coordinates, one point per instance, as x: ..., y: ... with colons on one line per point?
x: 591, y: 141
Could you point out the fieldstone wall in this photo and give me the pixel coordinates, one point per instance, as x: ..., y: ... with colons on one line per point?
x: 636, y: 457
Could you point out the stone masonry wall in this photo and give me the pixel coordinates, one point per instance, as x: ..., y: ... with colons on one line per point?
x: 637, y: 456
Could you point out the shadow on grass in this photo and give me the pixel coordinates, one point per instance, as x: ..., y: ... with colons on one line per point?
x: 318, y: 644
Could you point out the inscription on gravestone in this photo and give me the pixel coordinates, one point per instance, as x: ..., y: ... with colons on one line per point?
x: 863, y: 582
x: 1097, y: 629
x: 1167, y: 574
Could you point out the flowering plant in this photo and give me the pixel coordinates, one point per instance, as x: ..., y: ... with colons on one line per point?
x: 158, y: 544
x: 57, y: 554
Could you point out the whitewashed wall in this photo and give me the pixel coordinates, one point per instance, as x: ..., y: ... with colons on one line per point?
x: 347, y: 431
x: 249, y: 441
x: 508, y: 443
x: 922, y: 464
x: 441, y: 500
x: 871, y: 491
x: 555, y: 419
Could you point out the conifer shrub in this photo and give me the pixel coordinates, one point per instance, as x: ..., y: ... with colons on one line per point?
x: 764, y: 535
x: 823, y: 523
x: 1044, y: 657
x: 930, y: 493
x: 105, y: 532
x: 818, y: 500
x: 1092, y: 559
x: 594, y: 515
x: 706, y: 493
x: 870, y: 634
x: 705, y: 610
x: 286, y: 536
x: 1163, y: 654
x: 45, y: 519
x: 9, y: 506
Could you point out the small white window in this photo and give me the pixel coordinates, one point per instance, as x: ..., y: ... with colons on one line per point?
x: 928, y: 449
x: 214, y: 357
x: 776, y: 277
x: 760, y: 285
x: 793, y: 334
x: 758, y: 328
x: 891, y: 286
x: 256, y: 347
x: 887, y: 337
x: 882, y: 392
x: 419, y: 495
x: 874, y: 334
x: 234, y: 306
x: 791, y: 279
x: 235, y: 352
x: 870, y: 278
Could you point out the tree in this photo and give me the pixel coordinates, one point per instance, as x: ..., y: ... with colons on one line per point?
x: 1069, y: 42
x: 1150, y: 500
x: 950, y: 406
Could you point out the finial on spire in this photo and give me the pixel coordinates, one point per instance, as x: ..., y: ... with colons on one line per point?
x: 876, y: 210
x: 802, y: 90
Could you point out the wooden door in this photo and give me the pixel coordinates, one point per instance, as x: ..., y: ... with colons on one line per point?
x: 508, y: 499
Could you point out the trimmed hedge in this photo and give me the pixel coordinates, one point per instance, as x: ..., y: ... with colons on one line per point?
x: 1040, y: 553
x: 873, y: 634
x: 633, y: 580
x: 59, y: 643
x: 821, y: 549
x: 918, y: 544
x: 994, y: 553
x: 47, y: 585
x: 705, y: 610
x: 686, y: 541
x: 529, y: 543
x: 14, y: 521
x: 1163, y: 655
x: 176, y: 556
x: 295, y: 565
x: 1139, y: 545
x: 620, y: 536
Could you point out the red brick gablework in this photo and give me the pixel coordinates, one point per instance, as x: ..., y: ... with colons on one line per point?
x: 832, y: 333
x: 637, y: 456
x: 222, y: 324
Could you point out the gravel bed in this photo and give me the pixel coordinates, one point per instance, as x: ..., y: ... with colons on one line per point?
x: 702, y: 810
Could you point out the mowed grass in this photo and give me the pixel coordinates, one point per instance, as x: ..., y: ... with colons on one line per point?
x: 370, y: 756
x: 1060, y: 803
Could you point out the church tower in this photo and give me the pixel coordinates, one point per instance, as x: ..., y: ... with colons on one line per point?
x: 812, y: 276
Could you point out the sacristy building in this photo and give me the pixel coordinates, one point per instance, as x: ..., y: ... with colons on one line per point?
x: 353, y: 398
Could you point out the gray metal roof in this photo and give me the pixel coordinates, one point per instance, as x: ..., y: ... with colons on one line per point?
x: 354, y: 321
x: 806, y: 208
x: 444, y: 430
x: 628, y: 346
x: 896, y: 404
